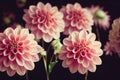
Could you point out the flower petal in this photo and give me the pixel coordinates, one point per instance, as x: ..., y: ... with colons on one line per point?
x: 62, y: 56
x: 10, y: 72
x: 47, y: 38
x: 73, y: 67
x: 92, y: 67
x: 19, y: 60
x: 35, y: 58
x: 97, y: 60
x: 82, y: 69
x: 21, y: 70
x: 2, y: 68
x: 29, y: 65
x: 8, y: 31
x: 64, y: 64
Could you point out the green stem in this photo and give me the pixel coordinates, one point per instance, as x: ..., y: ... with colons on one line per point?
x: 26, y: 75
x: 97, y: 33
x: 86, y: 75
x: 46, y: 68
x: 45, y: 62
x: 48, y: 48
x: 43, y: 43
x: 47, y: 52
x: 52, y: 58
x: 56, y: 56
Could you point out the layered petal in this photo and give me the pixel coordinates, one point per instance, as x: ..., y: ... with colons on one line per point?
x: 76, y: 18
x: 78, y: 53
x: 44, y: 21
x: 18, y: 51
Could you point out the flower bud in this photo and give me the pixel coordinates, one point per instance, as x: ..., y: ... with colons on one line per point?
x: 56, y: 45
x: 43, y: 53
x: 100, y: 14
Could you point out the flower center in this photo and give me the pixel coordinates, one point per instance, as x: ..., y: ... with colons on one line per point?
x: 80, y: 50
x: 45, y: 19
x: 15, y: 47
x: 74, y: 15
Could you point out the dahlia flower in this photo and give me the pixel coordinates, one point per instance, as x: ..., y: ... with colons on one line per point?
x: 18, y: 51
x: 108, y: 49
x: 80, y: 52
x: 44, y: 21
x: 114, y: 36
x: 100, y: 17
x: 76, y: 18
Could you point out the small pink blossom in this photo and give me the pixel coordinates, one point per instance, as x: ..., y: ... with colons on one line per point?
x: 80, y: 52
x: 76, y: 18
x: 18, y: 51
x: 114, y: 36
x: 44, y: 21
x: 100, y: 17
x: 108, y: 49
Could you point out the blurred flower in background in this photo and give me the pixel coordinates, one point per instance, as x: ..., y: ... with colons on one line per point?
x: 21, y: 3
x: 114, y: 36
x: 100, y: 17
x: 108, y: 49
x: 8, y: 17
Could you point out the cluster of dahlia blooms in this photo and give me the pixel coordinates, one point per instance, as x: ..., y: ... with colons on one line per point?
x: 78, y: 49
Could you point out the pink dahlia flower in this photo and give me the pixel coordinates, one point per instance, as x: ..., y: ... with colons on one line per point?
x: 80, y: 52
x: 108, y: 49
x: 18, y: 51
x: 76, y: 18
x: 100, y: 17
x: 114, y: 36
x: 44, y: 21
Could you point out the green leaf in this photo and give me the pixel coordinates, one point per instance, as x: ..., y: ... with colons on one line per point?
x: 51, y: 66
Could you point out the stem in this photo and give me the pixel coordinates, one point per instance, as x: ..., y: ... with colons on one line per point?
x: 46, y: 69
x: 43, y: 43
x: 52, y: 58
x: 86, y: 75
x: 48, y: 48
x: 47, y: 52
x: 56, y: 57
x: 26, y: 75
x: 97, y: 33
x: 45, y: 63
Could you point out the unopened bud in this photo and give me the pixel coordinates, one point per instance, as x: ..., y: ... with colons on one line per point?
x: 56, y: 45
x: 100, y: 14
x: 43, y: 53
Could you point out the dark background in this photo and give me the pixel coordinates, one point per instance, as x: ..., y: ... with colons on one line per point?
x: 110, y: 68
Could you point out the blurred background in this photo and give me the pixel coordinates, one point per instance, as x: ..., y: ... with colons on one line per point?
x: 11, y: 11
